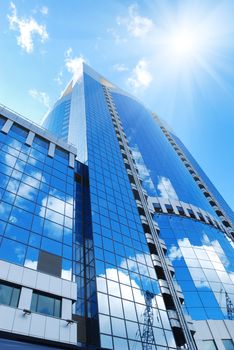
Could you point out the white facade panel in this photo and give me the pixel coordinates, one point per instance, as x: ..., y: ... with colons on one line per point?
x: 55, y: 285
x: 6, y: 127
x: 66, y: 290
x: 29, y: 278
x: 43, y: 281
x: 4, y: 269
x: 66, y: 309
x: 30, y: 138
x: 21, y: 322
x: 7, y: 317
x: 52, y: 328
x: 37, y: 326
x: 15, y: 274
x: 25, y: 298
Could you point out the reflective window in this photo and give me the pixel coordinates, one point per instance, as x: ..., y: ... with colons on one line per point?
x: 209, y: 345
x: 45, y: 304
x: 9, y: 294
x: 40, y: 142
x: 12, y: 251
x: 228, y: 344
x: 37, y: 201
x: 2, y: 121
x: 203, y: 265
x: 18, y: 132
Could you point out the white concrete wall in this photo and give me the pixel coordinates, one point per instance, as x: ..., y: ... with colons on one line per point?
x: 14, y: 320
x: 35, y: 325
x: 37, y: 280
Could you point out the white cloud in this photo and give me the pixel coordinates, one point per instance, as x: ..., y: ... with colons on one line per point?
x: 19, y: 252
x: 59, y: 77
x: 30, y: 264
x: 28, y: 28
x: 74, y: 65
x: 142, y: 169
x: 118, y: 39
x: 165, y: 188
x: 44, y: 10
x: 210, y: 252
x: 174, y: 253
x: 66, y: 274
x: 140, y: 77
x: 41, y: 96
x: 120, y: 67
x: 136, y: 25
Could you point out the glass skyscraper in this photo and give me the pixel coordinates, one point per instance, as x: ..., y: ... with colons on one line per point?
x: 112, y: 236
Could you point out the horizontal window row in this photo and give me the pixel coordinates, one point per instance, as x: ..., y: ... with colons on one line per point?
x: 38, y: 179
x: 41, y: 303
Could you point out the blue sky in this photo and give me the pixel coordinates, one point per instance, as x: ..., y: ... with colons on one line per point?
x: 175, y: 55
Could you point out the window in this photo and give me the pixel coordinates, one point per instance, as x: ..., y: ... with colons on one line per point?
x: 169, y: 208
x: 19, y: 132
x: 9, y: 294
x: 180, y: 210
x: 41, y: 142
x: 49, y: 263
x: 191, y: 213
x: 201, y: 217
x: 2, y: 121
x: 209, y: 345
x: 157, y: 207
x: 61, y: 152
x: 44, y: 304
x: 228, y: 344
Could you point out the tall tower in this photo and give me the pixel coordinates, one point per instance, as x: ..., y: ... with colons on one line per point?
x: 187, y: 224
x: 112, y: 236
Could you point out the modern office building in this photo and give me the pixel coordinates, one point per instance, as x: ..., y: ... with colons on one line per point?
x: 112, y: 236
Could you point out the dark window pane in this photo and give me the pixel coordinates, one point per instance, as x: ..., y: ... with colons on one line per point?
x: 45, y: 305
x: 9, y: 295
x: 5, y: 294
x: 228, y: 344
x: 34, y: 302
x: 57, y: 308
x: 15, y: 297
x: 2, y: 121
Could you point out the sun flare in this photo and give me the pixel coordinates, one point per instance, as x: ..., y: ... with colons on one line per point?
x: 185, y: 43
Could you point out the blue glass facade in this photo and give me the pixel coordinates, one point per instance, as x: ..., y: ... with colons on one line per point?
x: 206, y: 180
x: 204, y: 265
x: 103, y: 222
x: 124, y: 267
x: 163, y: 174
x: 58, y: 119
x: 201, y: 255
x: 37, y: 201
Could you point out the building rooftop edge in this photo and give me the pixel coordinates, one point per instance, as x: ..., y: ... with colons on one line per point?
x: 38, y: 129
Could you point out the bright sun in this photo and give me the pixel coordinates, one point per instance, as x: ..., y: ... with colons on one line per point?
x: 185, y: 43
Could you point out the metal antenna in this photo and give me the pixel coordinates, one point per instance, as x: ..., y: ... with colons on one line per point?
x: 148, y: 334
x: 229, y: 306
